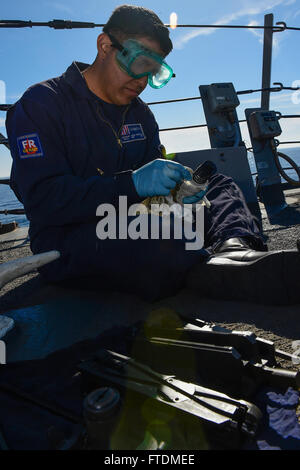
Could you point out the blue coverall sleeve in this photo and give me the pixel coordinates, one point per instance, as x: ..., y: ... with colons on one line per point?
x: 153, y: 142
x: 46, y: 184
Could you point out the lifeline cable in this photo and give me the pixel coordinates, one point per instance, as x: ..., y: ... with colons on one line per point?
x: 279, y: 27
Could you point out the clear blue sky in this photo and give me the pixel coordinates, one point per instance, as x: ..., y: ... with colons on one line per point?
x: 200, y: 56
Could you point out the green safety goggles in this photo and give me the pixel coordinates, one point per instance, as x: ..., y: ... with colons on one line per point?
x: 138, y: 61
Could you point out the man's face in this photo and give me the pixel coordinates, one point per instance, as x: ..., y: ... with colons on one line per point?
x: 117, y: 86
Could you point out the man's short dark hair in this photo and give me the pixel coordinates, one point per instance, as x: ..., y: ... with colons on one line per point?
x: 129, y: 21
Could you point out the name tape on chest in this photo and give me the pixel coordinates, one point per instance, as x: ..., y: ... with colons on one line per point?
x: 29, y: 146
x: 131, y: 133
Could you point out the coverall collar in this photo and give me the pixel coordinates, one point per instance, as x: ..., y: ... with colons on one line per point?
x: 74, y: 78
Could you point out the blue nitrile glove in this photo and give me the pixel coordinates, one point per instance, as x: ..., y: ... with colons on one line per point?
x: 195, y: 198
x: 158, y: 177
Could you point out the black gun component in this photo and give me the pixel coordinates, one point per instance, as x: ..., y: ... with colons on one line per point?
x: 218, y: 413
x: 236, y: 362
x: 266, y: 348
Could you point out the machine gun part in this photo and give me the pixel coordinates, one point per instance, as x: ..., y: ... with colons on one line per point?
x: 243, y: 342
x: 220, y: 367
x: 266, y: 348
x: 274, y: 376
x: 229, y: 362
x: 215, y: 410
x: 199, y: 182
x: 204, y: 172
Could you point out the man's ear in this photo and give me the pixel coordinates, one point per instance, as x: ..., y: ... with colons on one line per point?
x: 103, y: 45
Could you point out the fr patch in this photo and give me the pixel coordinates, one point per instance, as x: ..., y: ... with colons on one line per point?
x: 29, y: 146
x: 132, y: 132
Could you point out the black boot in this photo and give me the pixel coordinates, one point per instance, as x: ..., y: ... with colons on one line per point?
x: 237, y: 272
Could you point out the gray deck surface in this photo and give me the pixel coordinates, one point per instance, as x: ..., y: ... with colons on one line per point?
x: 62, y: 316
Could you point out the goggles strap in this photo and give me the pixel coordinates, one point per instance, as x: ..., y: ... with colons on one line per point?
x: 115, y: 43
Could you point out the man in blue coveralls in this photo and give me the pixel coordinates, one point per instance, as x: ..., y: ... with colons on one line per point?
x: 86, y: 138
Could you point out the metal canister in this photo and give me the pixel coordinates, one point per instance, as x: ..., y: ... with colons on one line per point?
x: 100, y: 410
x: 199, y: 182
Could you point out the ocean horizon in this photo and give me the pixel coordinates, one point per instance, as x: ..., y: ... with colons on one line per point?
x: 9, y: 201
